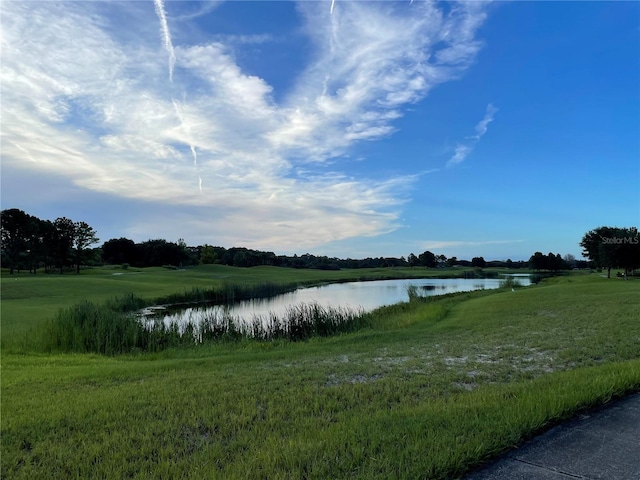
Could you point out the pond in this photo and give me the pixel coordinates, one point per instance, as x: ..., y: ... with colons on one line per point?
x: 360, y: 296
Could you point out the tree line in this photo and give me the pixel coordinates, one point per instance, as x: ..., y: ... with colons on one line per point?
x: 612, y: 247
x: 29, y: 243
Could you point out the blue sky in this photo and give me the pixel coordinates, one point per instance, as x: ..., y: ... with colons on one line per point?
x: 347, y: 129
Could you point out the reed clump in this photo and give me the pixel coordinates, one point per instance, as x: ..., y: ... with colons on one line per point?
x: 510, y: 283
x: 112, y: 329
x: 299, y: 322
x: 226, y: 294
x: 87, y: 327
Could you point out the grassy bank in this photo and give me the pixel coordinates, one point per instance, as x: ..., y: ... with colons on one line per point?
x: 429, y: 390
x: 28, y: 300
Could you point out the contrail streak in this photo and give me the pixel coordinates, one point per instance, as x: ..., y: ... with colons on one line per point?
x: 166, y: 35
x: 187, y: 130
x: 333, y: 2
x: 195, y: 156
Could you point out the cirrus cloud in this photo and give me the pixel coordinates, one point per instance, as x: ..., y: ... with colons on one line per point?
x: 85, y: 99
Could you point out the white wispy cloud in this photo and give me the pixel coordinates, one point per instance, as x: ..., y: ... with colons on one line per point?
x: 463, y: 150
x: 83, y: 98
x: 204, y: 7
x: 460, y: 154
x: 236, y: 39
x: 481, y: 127
x: 441, y: 244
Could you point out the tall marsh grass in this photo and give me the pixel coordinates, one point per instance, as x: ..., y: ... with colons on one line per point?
x: 299, y: 322
x: 107, y: 329
x: 510, y: 283
x: 87, y: 327
x: 226, y: 294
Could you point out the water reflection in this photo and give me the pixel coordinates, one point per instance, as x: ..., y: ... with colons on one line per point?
x: 365, y: 296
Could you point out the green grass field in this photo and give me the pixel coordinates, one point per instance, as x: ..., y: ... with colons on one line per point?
x: 431, y: 390
x: 28, y: 300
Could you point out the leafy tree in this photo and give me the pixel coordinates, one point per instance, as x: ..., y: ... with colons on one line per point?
x: 118, y: 251
x: 83, y: 237
x: 612, y: 247
x: 14, y: 224
x: 538, y: 261
x: 207, y: 255
x: 427, y: 259
x: 627, y: 255
x: 556, y: 262
x: 46, y: 243
x: 451, y: 262
x: 159, y: 252
x: 65, y: 231
x: 478, y: 262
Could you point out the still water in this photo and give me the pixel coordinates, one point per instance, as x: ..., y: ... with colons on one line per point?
x: 365, y: 296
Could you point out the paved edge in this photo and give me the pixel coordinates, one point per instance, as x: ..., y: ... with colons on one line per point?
x: 603, y: 443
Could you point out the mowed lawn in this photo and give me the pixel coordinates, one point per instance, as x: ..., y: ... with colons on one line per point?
x: 430, y: 391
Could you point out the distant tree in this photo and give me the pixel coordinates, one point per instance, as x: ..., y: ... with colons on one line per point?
x: 451, y: 262
x: 413, y: 260
x: 427, y: 259
x: 597, y: 250
x: 84, y: 236
x: 612, y: 247
x: 441, y: 261
x: 570, y: 260
x: 47, y: 244
x: 64, y: 238
x: 118, y: 251
x: 627, y: 255
x: 538, y: 261
x: 554, y: 262
x: 189, y: 254
x: 207, y: 255
x: 509, y: 263
x: 241, y: 259
x: 93, y: 257
x: 14, y: 236
x: 159, y: 252
x: 584, y: 264
x: 35, y: 243
x: 478, y: 262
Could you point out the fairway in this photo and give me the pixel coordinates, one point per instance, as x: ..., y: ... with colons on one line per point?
x: 429, y: 390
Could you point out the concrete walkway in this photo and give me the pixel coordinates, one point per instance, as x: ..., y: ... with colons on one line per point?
x: 601, y: 444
